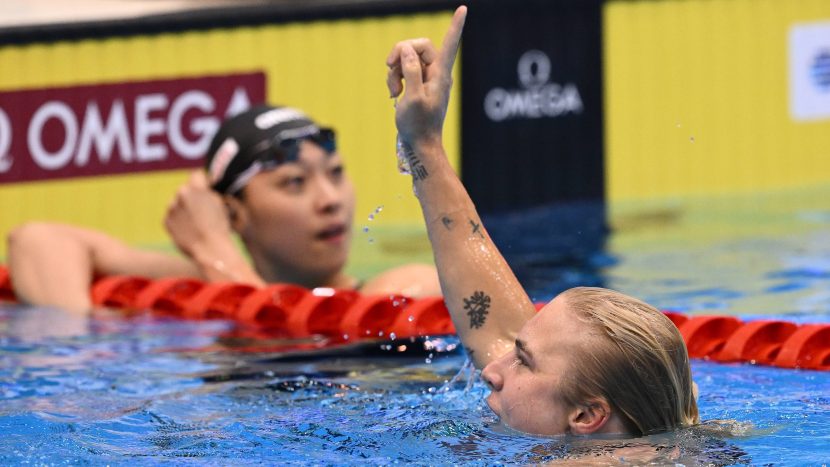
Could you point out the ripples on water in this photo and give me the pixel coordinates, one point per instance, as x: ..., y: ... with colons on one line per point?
x: 139, y: 391
x: 116, y: 392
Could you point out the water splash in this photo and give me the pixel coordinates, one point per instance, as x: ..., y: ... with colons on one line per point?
x: 403, y: 160
x: 374, y: 213
x: 466, y: 373
x: 371, y: 218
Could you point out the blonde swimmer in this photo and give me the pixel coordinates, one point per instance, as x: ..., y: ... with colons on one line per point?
x: 592, y: 361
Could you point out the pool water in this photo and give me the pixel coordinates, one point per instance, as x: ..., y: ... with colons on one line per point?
x: 139, y: 390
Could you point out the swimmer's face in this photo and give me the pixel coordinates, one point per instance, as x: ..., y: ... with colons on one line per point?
x: 526, y: 382
x: 297, y: 217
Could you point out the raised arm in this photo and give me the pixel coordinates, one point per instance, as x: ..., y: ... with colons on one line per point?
x: 486, y: 301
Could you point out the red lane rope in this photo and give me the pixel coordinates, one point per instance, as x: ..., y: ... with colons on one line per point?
x: 348, y: 316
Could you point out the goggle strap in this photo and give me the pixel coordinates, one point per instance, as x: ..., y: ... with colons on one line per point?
x: 244, y: 177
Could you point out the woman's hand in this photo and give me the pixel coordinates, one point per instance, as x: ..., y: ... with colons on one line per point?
x: 197, y: 216
x: 198, y: 222
x: 420, y: 112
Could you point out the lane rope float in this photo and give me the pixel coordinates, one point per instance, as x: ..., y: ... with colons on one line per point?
x: 347, y: 316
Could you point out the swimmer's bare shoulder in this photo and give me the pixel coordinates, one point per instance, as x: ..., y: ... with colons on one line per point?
x: 412, y: 280
x: 639, y: 455
x: 708, y: 443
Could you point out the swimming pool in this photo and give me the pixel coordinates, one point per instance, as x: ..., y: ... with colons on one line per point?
x: 116, y: 390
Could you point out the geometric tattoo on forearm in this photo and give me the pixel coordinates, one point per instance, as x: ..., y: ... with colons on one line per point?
x: 477, y: 306
x: 419, y: 172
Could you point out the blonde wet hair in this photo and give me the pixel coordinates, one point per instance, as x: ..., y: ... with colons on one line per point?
x: 637, y: 361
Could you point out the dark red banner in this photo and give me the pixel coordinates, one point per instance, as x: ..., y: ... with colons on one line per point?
x: 117, y: 128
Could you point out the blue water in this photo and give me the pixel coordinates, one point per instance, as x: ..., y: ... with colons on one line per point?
x: 117, y: 390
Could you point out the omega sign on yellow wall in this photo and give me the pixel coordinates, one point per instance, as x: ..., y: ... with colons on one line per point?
x: 100, y: 132
x: 716, y: 96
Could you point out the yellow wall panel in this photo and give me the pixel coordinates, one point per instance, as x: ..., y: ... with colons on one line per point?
x: 696, y: 95
x: 335, y: 70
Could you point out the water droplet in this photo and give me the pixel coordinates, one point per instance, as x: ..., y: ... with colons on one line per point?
x: 428, y: 360
x: 395, y: 303
x: 692, y: 139
x: 380, y: 333
x: 678, y: 124
x: 411, y: 318
x: 368, y: 332
x: 365, y: 229
x: 372, y: 217
x: 379, y: 209
x: 392, y: 336
x: 371, y: 240
x: 345, y: 337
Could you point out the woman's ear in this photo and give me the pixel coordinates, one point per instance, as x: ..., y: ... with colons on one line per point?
x: 237, y: 213
x: 590, y: 417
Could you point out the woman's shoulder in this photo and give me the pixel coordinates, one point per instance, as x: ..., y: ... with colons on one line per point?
x: 413, y: 280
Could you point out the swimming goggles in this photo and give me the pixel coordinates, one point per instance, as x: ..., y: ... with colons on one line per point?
x: 281, y: 148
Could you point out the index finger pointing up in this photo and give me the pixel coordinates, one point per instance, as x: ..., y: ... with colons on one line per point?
x: 449, y: 49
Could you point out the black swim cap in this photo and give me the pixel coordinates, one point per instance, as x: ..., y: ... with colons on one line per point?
x: 257, y: 139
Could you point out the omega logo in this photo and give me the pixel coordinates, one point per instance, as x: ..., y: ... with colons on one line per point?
x: 534, y: 69
x: 538, y: 98
x: 5, y: 142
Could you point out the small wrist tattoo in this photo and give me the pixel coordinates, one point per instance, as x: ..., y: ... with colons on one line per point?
x: 419, y: 172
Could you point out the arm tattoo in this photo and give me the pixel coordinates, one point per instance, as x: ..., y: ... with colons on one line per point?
x: 476, y: 228
x: 477, y: 306
x: 447, y: 222
x: 419, y: 172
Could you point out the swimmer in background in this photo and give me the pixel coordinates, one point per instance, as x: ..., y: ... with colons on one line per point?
x: 592, y: 361
x: 273, y: 177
